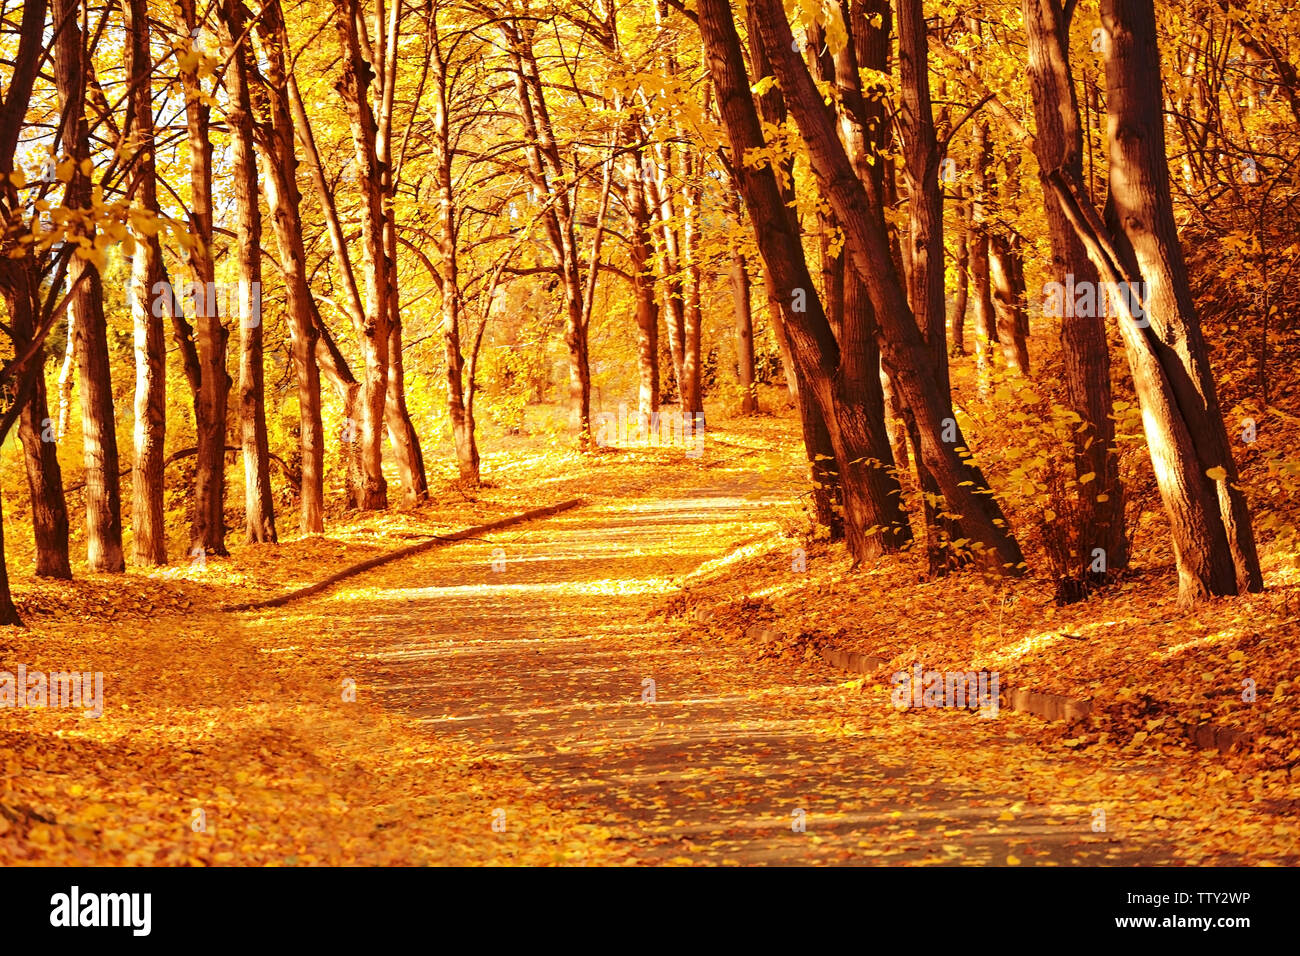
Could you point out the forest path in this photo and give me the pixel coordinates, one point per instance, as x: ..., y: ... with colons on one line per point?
x: 544, y: 665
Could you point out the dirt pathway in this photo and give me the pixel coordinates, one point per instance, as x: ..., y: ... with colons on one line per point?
x: 546, y: 661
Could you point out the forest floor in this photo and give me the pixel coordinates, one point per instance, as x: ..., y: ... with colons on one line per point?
x: 605, y: 686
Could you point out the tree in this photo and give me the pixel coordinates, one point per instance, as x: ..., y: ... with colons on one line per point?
x: 148, y: 278
x: 869, y: 529
x: 963, y: 487
x: 373, y: 322
x: 553, y: 186
x: 1137, y: 251
x: 20, y: 287
x: 641, y: 266
x: 94, y: 376
x: 259, y: 508
x: 283, y: 199
x: 209, y: 379
x: 1059, y: 145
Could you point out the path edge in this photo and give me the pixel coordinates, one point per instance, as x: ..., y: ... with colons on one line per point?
x: 435, y: 541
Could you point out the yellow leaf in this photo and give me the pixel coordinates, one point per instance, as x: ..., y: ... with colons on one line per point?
x: 1218, y: 473
x: 1013, y: 860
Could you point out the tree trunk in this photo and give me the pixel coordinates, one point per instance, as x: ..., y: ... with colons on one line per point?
x: 67, y: 375
x: 1214, y: 546
x: 660, y: 200
x: 334, y: 368
x: 374, y: 331
x: 906, y: 353
x: 985, y: 320
x: 99, y: 433
x: 147, y: 281
x: 823, y: 469
x: 869, y: 529
x: 957, y: 316
x: 692, y: 396
x: 9, y: 616
x: 36, y: 429
x: 401, y: 430
x: 1007, y: 282
x: 924, y: 258
x: 744, y: 316
x: 283, y: 200
x: 865, y: 130
x: 1084, y: 350
x: 208, y: 530
x: 643, y: 290
x: 21, y: 290
x: 448, y: 273
x: 259, y: 507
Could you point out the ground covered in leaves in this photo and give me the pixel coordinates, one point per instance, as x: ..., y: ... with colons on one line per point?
x: 638, y: 680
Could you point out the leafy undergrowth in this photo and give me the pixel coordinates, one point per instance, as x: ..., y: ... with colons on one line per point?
x: 1153, y: 671
x: 228, y: 740
x: 221, y: 744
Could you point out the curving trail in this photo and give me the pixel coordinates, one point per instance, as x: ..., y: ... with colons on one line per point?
x: 544, y: 665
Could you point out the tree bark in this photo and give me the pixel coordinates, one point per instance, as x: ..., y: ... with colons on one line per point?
x: 742, y: 310
x: 961, y: 297
x: 824, y: 470
x: 99, y: 432
x: 37, y: 432
x: 9, y: 615
x: 1007, y: 283
x: 692, y: 396
x: 21, y: 290
x: 643, y: 289
x: 259, y: 506
x: 208, y: 528
x: 283, y: 200
x: 401, y: 430
x: 985, y: 319
x: 147, y: 281
x: 868, y: 529
x: 373, y: 333
x: 659, y: 194
x: 1085, y: 351
x: 448, y: 271
x: 965, y: 491
x: 1214, y: 546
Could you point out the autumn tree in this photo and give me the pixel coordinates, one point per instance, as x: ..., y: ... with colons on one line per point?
x: 103, y: 488
x: 259, y: 509
x: 1136, y: 250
